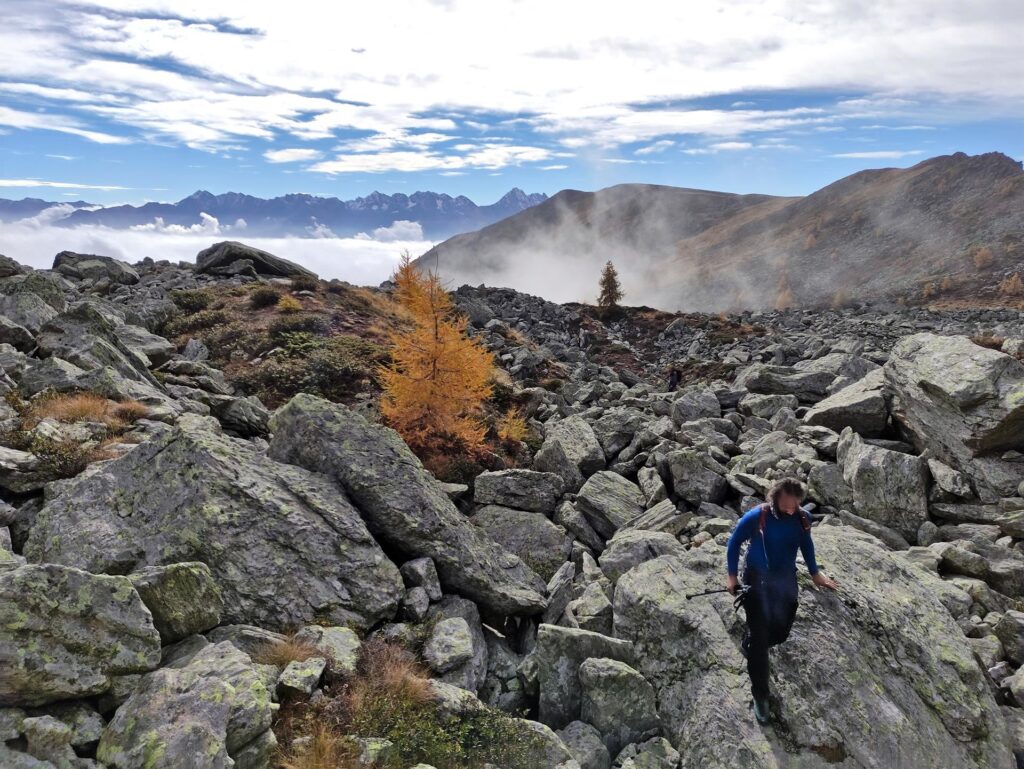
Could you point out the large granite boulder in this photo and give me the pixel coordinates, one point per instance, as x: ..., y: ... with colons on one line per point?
x: 284, y: 545
x: 219, y: 258
x: 560, y: 652
x: 94, y: 268
x: 609, y: 502
x: 807, y: 386
x: 889, y: 487
x: 541, y: 544
x: 183, y: 598
x: 210, y: 709
x: 964, y: 402
x: 402, y: 503
x: 860, y: 406
x: 877, y: 674
x: 570, y: 449
x: 521, y: 489
x: 65, y: 634
x: 86, y: 337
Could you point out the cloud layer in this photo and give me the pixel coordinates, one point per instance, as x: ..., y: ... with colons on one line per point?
x: 458, y: 86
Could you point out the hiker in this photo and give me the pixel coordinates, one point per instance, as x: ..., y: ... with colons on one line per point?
x: 776, y: 529
x: 674, y: 376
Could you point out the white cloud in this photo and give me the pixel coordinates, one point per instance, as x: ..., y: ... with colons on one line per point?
x: 291, y: 155
x: 731, y: 146
x: 879, y: 154
x: 207, y: 225
x: 658, y: 146
x: 487, y: 155
x: 71, y: 185
x: 556, y: 167
x: 401, y: 230
x: 60, y: 123
x: 375, y: 70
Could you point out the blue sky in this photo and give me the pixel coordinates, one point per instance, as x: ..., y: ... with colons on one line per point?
x: 124, y: 101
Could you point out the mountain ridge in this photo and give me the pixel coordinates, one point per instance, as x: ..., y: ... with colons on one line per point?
x: 440, y: 215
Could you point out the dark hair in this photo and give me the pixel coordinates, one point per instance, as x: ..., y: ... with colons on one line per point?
x: 789, y: 485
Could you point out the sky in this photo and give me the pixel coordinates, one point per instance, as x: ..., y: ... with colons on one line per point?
x: 128, y: 101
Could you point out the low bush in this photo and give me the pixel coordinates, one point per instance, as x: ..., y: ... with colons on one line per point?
x: 280, y: 653
x: 193, y: 300
x: 264, y: 296
x: 289, y: 304
x: 334, y: 367
x: 190, y: 323
x: 314, y: 324
x: 305, y: 283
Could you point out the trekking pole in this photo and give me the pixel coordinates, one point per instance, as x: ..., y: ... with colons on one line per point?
x: 741, y: 592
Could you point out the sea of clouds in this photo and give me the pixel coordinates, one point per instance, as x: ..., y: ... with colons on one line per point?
x: 366, y: 259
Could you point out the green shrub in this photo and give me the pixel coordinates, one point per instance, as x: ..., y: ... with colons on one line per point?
x: 192, y: 300
x: 263, y: 296
x: 334, y: 368
x: 314, y: 324
x: 305, y: 283
x: 187, y: 324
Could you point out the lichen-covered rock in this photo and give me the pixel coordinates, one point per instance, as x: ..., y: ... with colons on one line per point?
x: 884, y: 643
x: 65, y: 634
x: 300, y: 677
x: 963, y: 401
x: 696, y: 477
x: 449, y: 645
x: 633, y: 546
x: 861, y: 406
x: 183, y: 598
x: 571, y: 450
x: 889, y: 487
x: 586, y: 746
x: 421, y: 572
x: 519, y: 489
x: 808, y: 386
x: 472, y: 671
x: 94, y: 268
x: 609, y: 502
x: 402, y: 503
x: 339, y: 644
x: 618, y: 702
x: 201, y: 712
x: 541, y: 544
x: 558, y: 656
x: 283, y: 544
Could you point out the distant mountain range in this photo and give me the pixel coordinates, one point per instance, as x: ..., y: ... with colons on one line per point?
x: 951, y: 226
x: 439, y: 215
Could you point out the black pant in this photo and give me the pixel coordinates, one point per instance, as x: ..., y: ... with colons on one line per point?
x: 770, y: 607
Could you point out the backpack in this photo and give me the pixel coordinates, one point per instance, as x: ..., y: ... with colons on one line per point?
x: 805, y: 520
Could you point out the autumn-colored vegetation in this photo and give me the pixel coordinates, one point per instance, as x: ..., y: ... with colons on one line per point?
x: 438, y: 378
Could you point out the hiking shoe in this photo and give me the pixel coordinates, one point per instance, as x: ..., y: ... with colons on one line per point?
x: 761, y: 711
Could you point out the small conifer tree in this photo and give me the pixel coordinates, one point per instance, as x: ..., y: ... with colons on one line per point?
x: 611, y: 289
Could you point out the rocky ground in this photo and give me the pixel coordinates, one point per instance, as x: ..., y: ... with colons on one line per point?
x: 170, y: 542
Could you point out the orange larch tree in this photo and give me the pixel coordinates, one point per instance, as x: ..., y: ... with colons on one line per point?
x: 439, y: 377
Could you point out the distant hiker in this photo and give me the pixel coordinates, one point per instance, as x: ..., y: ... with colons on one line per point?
x: 776, y: 529
x: 674, y: 377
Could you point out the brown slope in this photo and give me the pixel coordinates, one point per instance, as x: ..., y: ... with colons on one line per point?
x: 554, y: 249
x: 888, y: 234
x: 895, y: 234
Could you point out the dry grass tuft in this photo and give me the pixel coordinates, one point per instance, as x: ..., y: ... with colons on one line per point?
x: 327, y: 750
x: 280, y: 653
x: 87, y: 407
x: 289, y: 304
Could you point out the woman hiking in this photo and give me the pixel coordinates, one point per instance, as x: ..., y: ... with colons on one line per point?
x: 776, y: 529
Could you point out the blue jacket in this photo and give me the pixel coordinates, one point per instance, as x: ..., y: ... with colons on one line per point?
x: 782, y: 537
